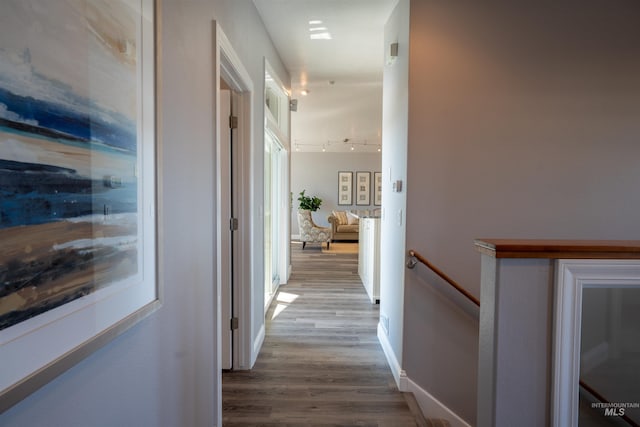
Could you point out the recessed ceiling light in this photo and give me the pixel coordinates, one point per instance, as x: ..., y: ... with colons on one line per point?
x: 320, y: 36
x: 305, y: 92
x: 315, y: 22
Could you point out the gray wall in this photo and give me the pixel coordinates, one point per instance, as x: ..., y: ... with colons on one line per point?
x: 318, y: 174
x: 523, y: 122
x: 161, y: 372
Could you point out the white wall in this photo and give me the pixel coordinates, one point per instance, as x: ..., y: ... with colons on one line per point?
x: 395, y: 106
x: 523, y: 122
x: 317, y: 173
x: 161, y: 372
x: 346, y: 109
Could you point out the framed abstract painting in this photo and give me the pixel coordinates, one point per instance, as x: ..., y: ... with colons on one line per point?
x: 377, y: 188
x: 363, y: 188
x: 345, y: 188
x: 77, y: 182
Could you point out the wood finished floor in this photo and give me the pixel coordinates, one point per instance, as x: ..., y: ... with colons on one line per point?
x: 321, y: 363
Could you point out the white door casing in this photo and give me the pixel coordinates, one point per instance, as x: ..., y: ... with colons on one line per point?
x: 572, y: 277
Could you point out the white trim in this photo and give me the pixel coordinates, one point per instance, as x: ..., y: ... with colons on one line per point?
x: 572, y: 277
x: 228, y: 66
x: 231, y: 68
x: 396, y: 369
x: 429, y: 405
x: 403, y: 382
x: 257, y: 344
x: 432, y: 407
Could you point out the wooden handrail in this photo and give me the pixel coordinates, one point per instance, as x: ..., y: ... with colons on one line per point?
x: 559, y: 249
x: 446, y: 278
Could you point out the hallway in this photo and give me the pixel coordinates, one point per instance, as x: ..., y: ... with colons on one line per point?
x: 321, y: 363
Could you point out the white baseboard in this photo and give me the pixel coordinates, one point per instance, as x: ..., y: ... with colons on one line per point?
x: 257, y: 345
x: 433, y: 408
x: 399, y: 375
x: 594, y: 357
x: 430, y: 406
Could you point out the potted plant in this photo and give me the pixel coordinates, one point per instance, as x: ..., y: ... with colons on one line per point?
x: 309, y: 203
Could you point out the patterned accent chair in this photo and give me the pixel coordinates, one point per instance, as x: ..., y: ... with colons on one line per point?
x: 310, y: 232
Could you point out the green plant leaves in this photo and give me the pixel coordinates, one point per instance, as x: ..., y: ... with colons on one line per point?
x: 310, y: 203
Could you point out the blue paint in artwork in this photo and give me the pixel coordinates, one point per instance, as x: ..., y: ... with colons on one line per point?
x: 36, y: 194
x: 35, y: 208
x: 32, y: 193
x: 47, y: 119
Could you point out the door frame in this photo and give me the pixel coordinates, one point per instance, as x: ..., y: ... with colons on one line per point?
x: 282, y: 231
x: 283, y: 135
x: 229, y: 68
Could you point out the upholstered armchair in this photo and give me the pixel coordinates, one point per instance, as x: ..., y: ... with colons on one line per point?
x: 309, y: 231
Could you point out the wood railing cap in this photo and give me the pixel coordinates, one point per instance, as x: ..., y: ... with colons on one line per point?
x: 560, y: 249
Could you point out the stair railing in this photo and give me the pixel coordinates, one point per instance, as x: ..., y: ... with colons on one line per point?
x: 414, y: 257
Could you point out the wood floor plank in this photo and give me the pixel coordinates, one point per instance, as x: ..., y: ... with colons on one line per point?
x: 321, y: 363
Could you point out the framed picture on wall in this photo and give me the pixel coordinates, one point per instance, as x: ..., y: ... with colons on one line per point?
x: 363, y: 188
x: 345, y: 188
x: 77, y: 170
x: 377, y: 188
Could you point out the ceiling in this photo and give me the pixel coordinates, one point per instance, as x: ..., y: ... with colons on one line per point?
x: 342, y: 74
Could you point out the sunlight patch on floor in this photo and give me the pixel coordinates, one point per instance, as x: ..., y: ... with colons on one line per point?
x: 283, y: 300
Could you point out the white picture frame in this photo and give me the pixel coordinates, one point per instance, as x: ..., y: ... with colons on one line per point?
x: 572, y: 278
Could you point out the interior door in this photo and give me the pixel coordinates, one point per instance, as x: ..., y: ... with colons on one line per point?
x: 226, y: 234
